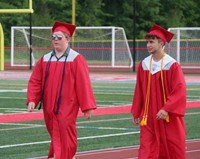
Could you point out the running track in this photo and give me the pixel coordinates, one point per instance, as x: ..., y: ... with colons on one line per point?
x: 192, y: 152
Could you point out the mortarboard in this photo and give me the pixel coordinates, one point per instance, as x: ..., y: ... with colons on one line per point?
x: 65, y: 27
x: 162, y: 33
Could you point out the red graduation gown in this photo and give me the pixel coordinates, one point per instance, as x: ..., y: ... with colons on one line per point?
x: 159, y: 139
x: 76, y: 93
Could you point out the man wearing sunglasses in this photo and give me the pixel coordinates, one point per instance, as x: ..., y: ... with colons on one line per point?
x: 60, y: 83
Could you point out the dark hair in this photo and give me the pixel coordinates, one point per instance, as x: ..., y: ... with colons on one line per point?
x: 152, y: 36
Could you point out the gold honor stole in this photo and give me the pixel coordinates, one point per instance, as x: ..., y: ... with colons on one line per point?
x: 169, y: 60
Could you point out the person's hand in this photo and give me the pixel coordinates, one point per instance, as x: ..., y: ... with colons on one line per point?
x: 135, y: 121
x: 31, y: 106
x: 88, y: 114
x: 161, y: 115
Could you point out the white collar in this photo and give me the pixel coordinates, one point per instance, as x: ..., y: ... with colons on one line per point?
x: 167, y: 59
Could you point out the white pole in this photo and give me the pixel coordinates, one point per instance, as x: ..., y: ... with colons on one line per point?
x: 178, y: 46
x: 113, y: 47
x: 12, y: 47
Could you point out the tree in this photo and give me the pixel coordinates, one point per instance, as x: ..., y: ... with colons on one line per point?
x: 167, y: 13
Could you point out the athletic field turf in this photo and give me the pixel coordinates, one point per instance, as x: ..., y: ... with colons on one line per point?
x: 29, y: 138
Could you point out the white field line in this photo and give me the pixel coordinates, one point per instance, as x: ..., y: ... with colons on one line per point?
x: 20, y: 124
x: 23, y: 126
x: 81, y: 138
x: 105, y: 128
x: 13, y: 108
x: 12, y: 98
x: 103, y: 120
x: 13, y: 90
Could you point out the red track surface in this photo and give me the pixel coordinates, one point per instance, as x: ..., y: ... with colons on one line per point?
x: 192, y: 152
x: 20, y: 117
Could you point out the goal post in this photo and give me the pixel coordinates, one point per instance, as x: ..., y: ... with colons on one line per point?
x: 1, y: 48
x: 101, y: 46
x: 185, y: 46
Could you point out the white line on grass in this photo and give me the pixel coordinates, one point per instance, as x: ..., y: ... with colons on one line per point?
x: 109, y: 135
x: 114, y: 93
x: 81, y: 138
x: 12, y: 98
x: 105, y: 128
x: 103, y: 120
x: 13, y: 109
x: 20, y: 124
x: 23, y: 126
x: 24, y: 144
x: 13, y: 90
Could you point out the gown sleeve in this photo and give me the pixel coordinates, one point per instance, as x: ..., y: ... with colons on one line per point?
x: 35, y: 84
x: 176, y: 99
x: 137, y: 102
x: 84, y: 90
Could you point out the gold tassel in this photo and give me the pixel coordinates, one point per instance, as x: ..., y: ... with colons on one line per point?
x: 144, y: 121
x: 167, y: 119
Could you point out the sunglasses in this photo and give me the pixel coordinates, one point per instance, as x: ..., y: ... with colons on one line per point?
x: 54, y: 36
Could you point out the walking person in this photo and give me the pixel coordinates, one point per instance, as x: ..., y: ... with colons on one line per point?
x: 60, y: 83
x: 159, y: 101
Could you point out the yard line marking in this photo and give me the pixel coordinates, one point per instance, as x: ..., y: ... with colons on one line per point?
x: 106, y: 128
x: 103, y: 120
x: 24, y: 144
x: 13, y: 90
x: 12, y: 98
x: 109, y: 135
x: 27, y: 127
x: 20, y: 124
x: 193, y: 113
x: 81, y: 138
x: 24, y: 126
x: 13, y: 109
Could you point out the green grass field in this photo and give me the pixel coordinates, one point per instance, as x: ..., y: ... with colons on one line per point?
x: 30, y: 139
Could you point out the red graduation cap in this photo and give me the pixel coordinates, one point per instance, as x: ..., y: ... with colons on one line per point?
x: 162, y: 33
x: 65, y: 27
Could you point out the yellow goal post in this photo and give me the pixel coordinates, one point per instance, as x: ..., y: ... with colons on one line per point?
x: 6, y: 11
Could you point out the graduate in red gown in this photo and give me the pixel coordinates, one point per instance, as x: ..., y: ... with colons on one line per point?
x: 60, y: 83
x: 159, y: 101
